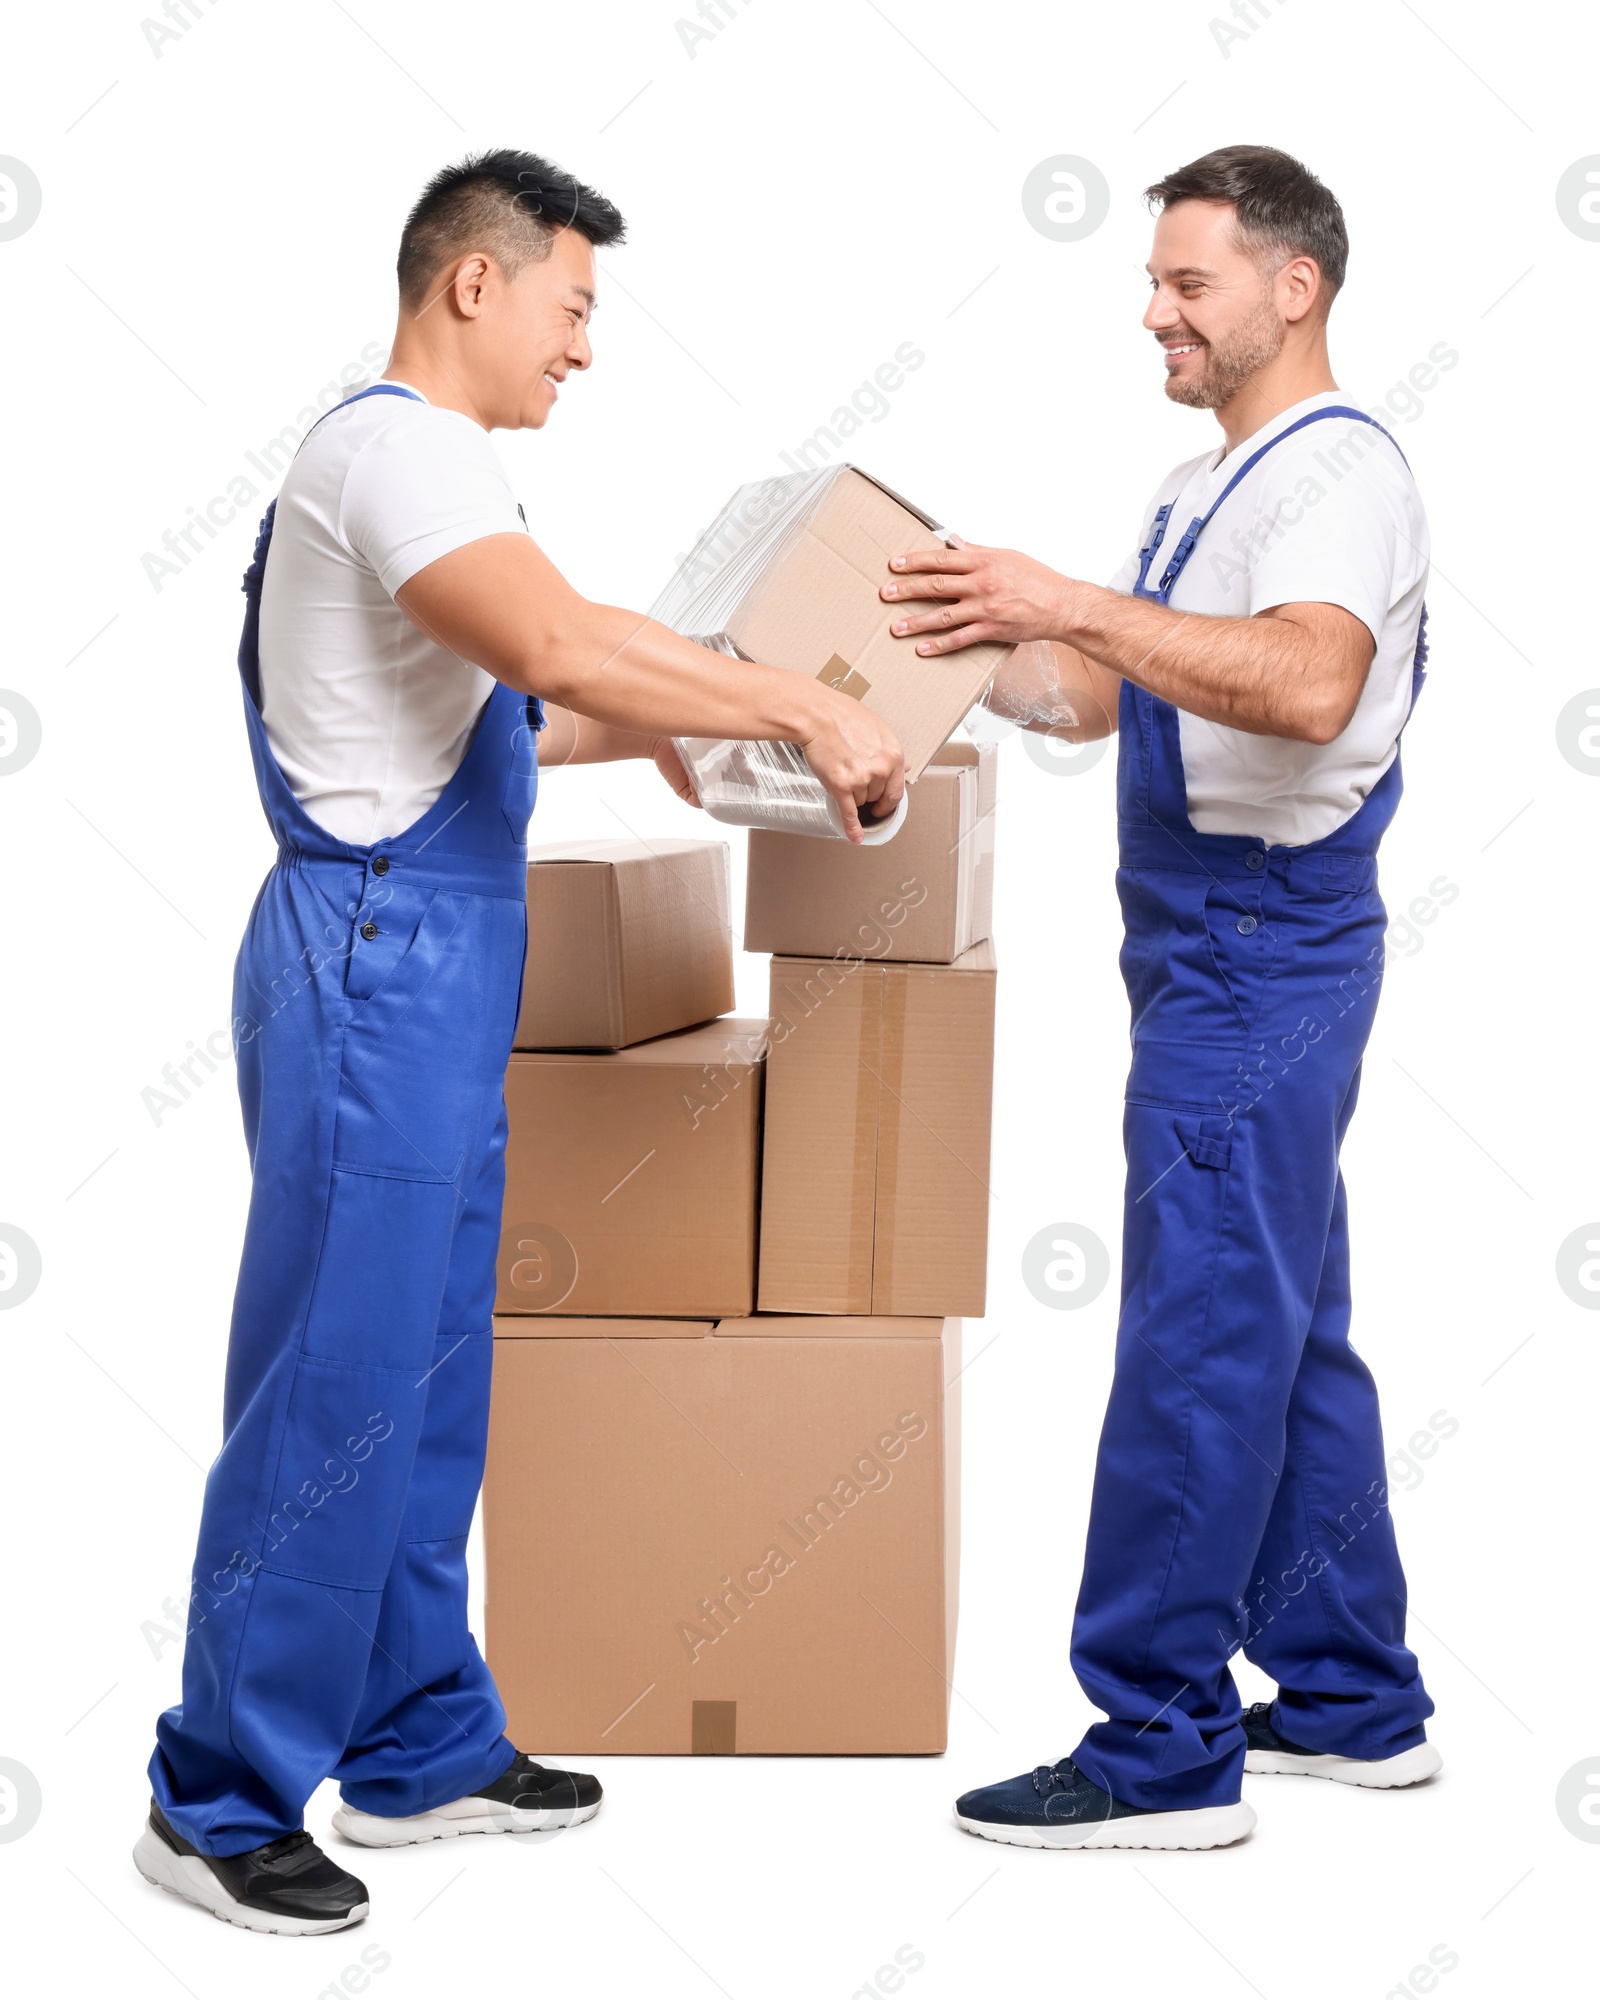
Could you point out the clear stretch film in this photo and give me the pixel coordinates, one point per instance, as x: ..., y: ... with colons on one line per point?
x: 752, y: 784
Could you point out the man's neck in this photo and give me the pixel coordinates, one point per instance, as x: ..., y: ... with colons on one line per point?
x: 420, y: 368
x: 1286, y: 380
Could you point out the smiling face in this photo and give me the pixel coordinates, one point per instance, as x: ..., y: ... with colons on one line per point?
x: 503, y: 346
x: 534, y: 330
x: 1220, y: 318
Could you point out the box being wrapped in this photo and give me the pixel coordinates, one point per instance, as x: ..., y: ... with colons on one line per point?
x: 789, y: 574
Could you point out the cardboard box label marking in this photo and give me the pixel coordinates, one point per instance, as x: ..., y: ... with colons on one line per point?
x: 714, y: 1728
x: 840, y: 674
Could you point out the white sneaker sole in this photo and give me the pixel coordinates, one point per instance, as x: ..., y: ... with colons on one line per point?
x: 1384, y: 1774
x: 460, y: 1816
x: 186, y: 1875
x: 1203, y: 1826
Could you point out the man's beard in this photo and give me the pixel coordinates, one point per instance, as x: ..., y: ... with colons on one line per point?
x: 1227, y: 365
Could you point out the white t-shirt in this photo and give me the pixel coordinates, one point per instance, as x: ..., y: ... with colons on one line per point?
x: 368, y: 717
x: 1329, y: 516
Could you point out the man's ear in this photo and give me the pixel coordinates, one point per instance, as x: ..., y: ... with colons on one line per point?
x: 1299, y: 287
x: 470, y: 284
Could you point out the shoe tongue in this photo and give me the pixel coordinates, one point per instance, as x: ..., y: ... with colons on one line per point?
x: 285, y: 1845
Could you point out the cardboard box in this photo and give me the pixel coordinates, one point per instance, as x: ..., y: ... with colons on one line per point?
x: 808, y: 600
x: 928, y: 894
x: 875, y: 1160
x: 732, y: 1539
x: 627, y: 940
x: 631, y: 1176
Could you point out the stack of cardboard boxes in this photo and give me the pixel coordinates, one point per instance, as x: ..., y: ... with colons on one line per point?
x: 721, y: 1505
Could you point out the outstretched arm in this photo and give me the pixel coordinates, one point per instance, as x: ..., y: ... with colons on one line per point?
x: 501, y: 603
x: 1295, y: 671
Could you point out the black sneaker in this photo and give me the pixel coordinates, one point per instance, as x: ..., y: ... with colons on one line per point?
x: 525, y: 1798
x: 288, y: 1886
x: 1267, y: 1754
x: 1057, y: 1806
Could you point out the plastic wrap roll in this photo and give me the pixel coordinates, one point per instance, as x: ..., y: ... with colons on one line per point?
x: 772, y: 785
x: 753, y: 784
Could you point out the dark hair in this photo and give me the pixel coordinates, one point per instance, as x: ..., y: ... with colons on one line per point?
x: 1283, y: 210
x: 510, y: 204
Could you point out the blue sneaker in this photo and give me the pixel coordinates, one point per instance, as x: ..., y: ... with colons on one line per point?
x: 1268, y: 1754
x: 1057, y: 1806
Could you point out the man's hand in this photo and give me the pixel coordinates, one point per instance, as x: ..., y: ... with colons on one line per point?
x: 664, y: 755
x: 858, y: 758
x: 990, y: 594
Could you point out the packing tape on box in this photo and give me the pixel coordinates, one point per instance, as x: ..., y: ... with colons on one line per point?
x: 753, y: 784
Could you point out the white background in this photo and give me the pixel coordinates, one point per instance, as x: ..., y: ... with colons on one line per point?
x: 805, y: 192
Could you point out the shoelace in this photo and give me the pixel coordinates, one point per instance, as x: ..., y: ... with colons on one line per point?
x: 1063, y: 1773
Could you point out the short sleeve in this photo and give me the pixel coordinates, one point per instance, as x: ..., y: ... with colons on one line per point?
x: 1357, y: 542
x: 427, y: 483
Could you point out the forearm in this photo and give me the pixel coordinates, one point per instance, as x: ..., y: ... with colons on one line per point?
x: 503, y: 605
x: 569, y: 738
x: 631, y: 674
x: 1056, y: 690
x: 1264, y: 675
x: 1295, y: 671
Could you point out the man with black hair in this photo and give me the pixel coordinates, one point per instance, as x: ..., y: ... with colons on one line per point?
x: 406, y: 644
x: 1259, y: 655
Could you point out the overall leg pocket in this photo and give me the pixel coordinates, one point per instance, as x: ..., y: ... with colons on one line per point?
x: 339, y: 1496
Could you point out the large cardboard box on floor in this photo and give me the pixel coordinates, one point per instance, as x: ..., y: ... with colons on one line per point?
x: 627, y: 940
x: 789, y: 574
x: 927, y: 894
x: 724, y: 1538
x: 875, y: 1156
x: 631, y: 1176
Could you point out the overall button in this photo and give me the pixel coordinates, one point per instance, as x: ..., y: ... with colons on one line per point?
x: 1246, y: 926
x: 381, y: 865
x: 371, y: 930
x: 1254, y: 859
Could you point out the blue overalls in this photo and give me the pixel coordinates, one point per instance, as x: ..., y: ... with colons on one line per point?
x: 375, y: 998
x: 1240, y: 1494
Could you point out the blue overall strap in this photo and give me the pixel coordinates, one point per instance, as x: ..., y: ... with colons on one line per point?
x: 1419, y: 659
x: 1158, y: 527
x: 1191, y: 534
x: 373, y: 389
